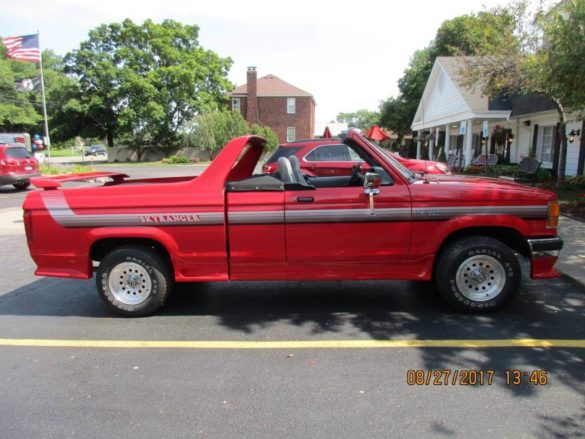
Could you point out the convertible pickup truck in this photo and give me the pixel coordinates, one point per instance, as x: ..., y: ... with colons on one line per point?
x: 466, y: 234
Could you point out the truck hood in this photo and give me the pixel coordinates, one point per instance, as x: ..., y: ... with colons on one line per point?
x: 475, y: 189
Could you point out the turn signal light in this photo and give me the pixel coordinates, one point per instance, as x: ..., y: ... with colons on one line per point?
x: 554, y: 210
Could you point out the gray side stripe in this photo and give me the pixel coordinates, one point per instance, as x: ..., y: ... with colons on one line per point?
x: 346, y: 215
x: 63, y: 215
x: 61, y: 212
x: 258, y: 217
x: 438, y: 213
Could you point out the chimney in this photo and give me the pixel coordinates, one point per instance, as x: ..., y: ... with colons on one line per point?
x: 252, y: 99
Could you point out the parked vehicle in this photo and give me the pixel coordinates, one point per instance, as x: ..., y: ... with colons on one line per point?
x: 16, y: 139
x: 142, y: 235
x: 328, y: 157
x: 17, y: 166
x: 96, y: 150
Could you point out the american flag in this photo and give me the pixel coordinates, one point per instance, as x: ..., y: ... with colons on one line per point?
x: 24, y: 47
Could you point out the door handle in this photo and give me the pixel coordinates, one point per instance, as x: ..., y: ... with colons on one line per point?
x: 305, y: 199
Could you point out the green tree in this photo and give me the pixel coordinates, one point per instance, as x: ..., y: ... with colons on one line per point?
x: 397, y: 114
x: 66, y: 117
x: 212, y: 131
x: 538, y: 58
x: 143, y: 82
x: 473, y: 34
x: 17, y: 108
x: 266, y: 132
x: 362, y: 119
x: 564, y: 38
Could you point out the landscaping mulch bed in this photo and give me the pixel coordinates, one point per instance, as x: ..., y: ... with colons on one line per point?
x: 575, y: 210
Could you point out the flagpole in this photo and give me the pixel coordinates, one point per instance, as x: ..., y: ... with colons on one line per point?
x: 44, y: 101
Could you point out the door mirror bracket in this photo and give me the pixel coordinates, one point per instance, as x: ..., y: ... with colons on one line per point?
x: 372, y: 183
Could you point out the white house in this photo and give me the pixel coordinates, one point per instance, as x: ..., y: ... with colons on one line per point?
x: 463, y: 121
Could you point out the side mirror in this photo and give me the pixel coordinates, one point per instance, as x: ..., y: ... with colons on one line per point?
x: 372, y: 182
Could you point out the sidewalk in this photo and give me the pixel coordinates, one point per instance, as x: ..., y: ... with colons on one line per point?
x: 572, y: 258
x: 11, y: 222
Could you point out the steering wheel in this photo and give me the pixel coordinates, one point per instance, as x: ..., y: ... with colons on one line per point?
x: 357, y: 177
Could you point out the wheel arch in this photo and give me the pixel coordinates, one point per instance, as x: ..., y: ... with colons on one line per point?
x: 507, y: 235
x: 104, y: 243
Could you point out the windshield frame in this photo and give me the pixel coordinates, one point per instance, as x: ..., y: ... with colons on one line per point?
x: 404, y: 171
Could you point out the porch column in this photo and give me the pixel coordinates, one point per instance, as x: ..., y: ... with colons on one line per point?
x: 431, y: 144
x: 418, y: 144
x: 468, y: 142
x: 447, y: 140
x: 437, y: 132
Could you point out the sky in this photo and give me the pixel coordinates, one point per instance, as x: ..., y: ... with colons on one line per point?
x: 349, y: 55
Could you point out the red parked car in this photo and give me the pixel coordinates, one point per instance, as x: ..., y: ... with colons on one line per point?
x: 331, y: 157
x: 17, y: 166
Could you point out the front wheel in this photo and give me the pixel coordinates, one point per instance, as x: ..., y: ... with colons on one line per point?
x: 134, y: 281
x: 477, y: 274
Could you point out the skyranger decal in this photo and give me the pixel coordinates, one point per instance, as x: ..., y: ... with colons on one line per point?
x: 174, y: 218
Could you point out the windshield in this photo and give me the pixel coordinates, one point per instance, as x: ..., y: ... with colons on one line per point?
x: 406, y: 173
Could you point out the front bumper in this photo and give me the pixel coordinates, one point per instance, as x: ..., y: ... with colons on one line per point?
x: 16, y: 178
x: 543, y: 245
x: 544, y: 252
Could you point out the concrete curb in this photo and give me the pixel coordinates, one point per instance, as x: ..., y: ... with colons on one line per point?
x: 573, y: 217
x: 573, y: 279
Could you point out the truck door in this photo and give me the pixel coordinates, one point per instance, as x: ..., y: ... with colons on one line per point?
x: 334, y: 225
x: 256, y: 234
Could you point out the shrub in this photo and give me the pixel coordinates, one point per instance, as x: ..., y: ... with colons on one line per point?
x: 175, y: 159
x: 577, y: 182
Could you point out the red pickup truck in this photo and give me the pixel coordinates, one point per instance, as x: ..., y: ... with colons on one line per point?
x: 382, y: 222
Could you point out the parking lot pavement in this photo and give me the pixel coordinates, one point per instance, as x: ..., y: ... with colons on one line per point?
x: 272, y: 388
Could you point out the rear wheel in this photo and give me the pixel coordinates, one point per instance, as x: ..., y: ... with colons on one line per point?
x: 134, y: 281
x: 21, y: 185
x: 477, y: 274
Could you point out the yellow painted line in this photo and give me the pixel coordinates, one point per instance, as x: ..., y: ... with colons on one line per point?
x: 285, y: 344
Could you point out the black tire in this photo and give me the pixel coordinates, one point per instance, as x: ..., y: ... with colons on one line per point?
x: 21, y: 185
x: 124, y: 272
x: 477, y: 274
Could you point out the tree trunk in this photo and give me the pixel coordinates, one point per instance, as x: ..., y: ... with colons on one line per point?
x: 110, y: 138
x: 562, y: 132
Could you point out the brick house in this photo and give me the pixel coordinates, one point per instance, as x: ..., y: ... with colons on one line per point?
x: 272, y: 102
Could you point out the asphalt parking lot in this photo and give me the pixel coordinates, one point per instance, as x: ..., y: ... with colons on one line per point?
x: 267, y: 359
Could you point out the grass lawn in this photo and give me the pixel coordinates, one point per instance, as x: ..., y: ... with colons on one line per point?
x: 62, y: 170
x: 66, y: 152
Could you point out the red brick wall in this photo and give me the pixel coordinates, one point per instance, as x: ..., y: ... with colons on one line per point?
x: 252, y: 114
x: 272, y: 112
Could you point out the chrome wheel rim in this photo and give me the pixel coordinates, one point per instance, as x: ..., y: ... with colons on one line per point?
x: 130, y: 283
x: 481, y: 278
